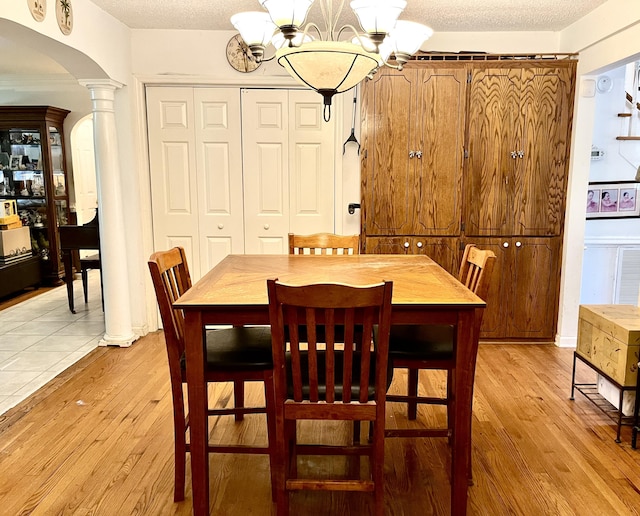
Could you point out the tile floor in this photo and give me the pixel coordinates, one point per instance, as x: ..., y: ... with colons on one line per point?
x: 40, y: 338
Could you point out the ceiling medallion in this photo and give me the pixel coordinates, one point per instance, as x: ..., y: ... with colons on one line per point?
x: 64, y: 15
x: 38, y: 9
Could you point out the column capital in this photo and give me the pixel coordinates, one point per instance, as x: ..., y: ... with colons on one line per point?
x: 100, y: 83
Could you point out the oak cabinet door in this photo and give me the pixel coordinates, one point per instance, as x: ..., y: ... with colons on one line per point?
x: 543, y: 152
x: 413, y: 147
x: 523, y: 297
x: 388, y: 174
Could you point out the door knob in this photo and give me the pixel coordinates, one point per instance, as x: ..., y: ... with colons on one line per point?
x: 518, y: 244
x: 220, y: 226
x: 419, y: 245
x: 505, y: 244
x: 411, y: 154
x: 406, y: 245
x: 266, y: 226
x: 419, y: 154
x: 514, y: 154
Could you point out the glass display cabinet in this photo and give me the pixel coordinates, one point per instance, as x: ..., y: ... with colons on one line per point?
x: 33, y: 173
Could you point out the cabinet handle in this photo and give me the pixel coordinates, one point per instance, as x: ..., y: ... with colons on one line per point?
x: 406, y: 245
x: 505, y: 244
x: 518, y: 244
x: 411, y: 154
x: 419, y: 245
x: 220, y: 226
x: 521, y: 154
x: 419, y: 154
x: 514, y: 154
x: 266, y: 226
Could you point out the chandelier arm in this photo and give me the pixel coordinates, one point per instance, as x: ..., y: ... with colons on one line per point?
x: 309, y: 26
x: 354, y: 30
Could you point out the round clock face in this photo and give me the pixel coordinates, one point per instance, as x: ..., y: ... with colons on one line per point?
x: 239, y: 55
x: 64, y: 15
x: 38, y: 9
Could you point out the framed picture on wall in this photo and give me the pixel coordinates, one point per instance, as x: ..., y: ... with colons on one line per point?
x: 613, y: 200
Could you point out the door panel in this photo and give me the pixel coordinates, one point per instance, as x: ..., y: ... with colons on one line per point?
x: 219, y: 174
x: 174, y: 192
x: 493, y: 115
x: 532, y: 313
x: 441, y: 100
x: 547, y: 100
x: 265, y: 151
x: 311, y: 167
x: 388, y: 180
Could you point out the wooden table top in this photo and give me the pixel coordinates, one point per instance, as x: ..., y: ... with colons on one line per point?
x: 240, y: 280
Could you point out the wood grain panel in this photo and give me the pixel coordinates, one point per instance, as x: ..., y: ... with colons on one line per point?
x: 493, y: 114
x: 546, y: 107
x: 441, y: 105
x: 536, y: 273
x: 387, y: 173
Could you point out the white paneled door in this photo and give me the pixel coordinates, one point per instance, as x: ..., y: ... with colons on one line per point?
x: 196, y: 172
x: 288, y: 156
x: 234, y: 171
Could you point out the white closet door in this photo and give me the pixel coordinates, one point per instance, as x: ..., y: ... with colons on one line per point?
x: 219, y: 174
x: 288, y: 154
x: 311, y: 165
x: 196, y: 172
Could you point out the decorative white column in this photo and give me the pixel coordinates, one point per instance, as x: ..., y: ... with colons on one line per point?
x: 113, y: 250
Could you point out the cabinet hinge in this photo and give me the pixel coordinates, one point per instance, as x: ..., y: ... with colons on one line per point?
x: 462, y: 227
x: 469, y: 77
x: 466, y: 153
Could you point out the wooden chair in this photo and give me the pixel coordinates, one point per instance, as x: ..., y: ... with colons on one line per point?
x: 432, y: 347
x: 233, y: 355
x: 327, y: 381
x: 324, y: 243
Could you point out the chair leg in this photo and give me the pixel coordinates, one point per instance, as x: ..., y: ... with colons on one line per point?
x: 269, y: 396
x: 238, y: 397
x: 85, y: 286
x: 412, y: 404
x: 179, y: 446
x: 378, y: 467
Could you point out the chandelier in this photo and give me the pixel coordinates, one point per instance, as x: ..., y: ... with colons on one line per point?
x: 329, y: 64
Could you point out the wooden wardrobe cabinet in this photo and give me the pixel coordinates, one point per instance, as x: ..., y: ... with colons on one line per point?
x: 413, y: 142
x: 494, y: 139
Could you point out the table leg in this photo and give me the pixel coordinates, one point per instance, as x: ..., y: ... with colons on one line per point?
x: 197, y: 388
x: 467, y: 342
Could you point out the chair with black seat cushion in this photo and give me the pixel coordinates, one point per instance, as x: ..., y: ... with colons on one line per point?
x: 324, y: 243
x: 233, y: 355
x: 417, y: 347
x: 325, y: 380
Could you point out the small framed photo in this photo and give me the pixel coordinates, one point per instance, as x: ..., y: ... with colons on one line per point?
x: 15, y: 162
x: 613, y: 200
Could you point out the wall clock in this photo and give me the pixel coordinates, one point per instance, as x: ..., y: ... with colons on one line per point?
x: 604, y: 84
x: 239, y: 55
x: 64, y: 15
x: 38, y: 9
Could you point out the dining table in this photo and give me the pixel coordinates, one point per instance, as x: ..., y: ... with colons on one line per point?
x: 234, y: 292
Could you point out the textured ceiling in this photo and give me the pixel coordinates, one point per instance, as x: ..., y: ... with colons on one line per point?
x: 440, y: 15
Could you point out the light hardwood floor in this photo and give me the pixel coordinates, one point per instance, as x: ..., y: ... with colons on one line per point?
x: 98, y: 440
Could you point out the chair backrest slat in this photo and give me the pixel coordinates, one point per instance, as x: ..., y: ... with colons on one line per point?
x: 322, y: 243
